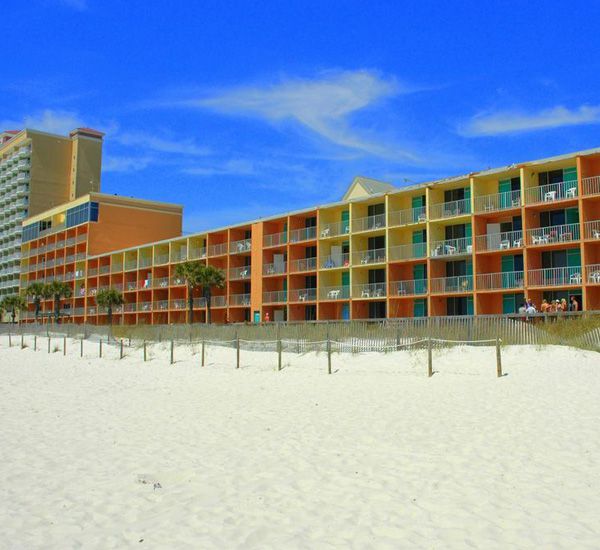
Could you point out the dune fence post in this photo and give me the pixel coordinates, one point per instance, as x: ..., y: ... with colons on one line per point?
x: 498, y: 359
x: 64, y: 345
x: 22, y: 341
x: 9, y: 340
x: 81, y: 347
x: 203, y: 344
x: 328, y: 355
x: 278, y: 348
x: 35, y: 342
x: 49, y: 338
x: 429, y: 358
x: 172, y: 351
x: 237, y: 340
x: 121, y: 349
x: 100, y: 347
x: 144, y: 346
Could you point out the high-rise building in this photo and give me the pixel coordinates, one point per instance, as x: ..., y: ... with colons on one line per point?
x: 38, y: 171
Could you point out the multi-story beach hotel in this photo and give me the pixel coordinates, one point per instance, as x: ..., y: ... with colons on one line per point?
x: 467, y: 245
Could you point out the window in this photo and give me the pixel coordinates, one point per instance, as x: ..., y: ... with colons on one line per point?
x: 31, y: 232
x: 82, y: 213
x: 455, y: 231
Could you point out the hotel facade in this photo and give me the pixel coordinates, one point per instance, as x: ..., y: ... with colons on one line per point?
x: 470, y: 245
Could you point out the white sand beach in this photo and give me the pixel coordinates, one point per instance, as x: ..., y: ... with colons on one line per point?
x: 102, y: 453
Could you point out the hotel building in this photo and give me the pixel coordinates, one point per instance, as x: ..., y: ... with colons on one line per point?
x: 468, y: 245
x: 38, y: 171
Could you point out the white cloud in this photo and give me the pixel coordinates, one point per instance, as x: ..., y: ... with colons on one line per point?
x: 513, y: 122
x: 232, y: 167
x: 54, y: 122
x: 125, y: 164
x: 156, y: 142
x: 324, y: 105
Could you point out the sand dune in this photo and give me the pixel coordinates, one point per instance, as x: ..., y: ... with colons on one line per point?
x: 101, y: 453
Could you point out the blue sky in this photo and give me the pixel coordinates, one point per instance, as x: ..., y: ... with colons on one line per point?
x: 242, y: 109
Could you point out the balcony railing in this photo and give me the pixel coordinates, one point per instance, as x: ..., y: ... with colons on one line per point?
x: 448, y: 285
x: 499, y: 241
x: 239, y: 300
x: 593, y: 273
x: 145, y: 261
x: 334, y: 293
x: 304, y: 234
x: 408, y: 251
x: 237, y: 273
x: 553, y: 234
x: 217, y: 249
x: 160, y: 282
x: 239, y: 247
x: 275, y: 268
x: 498, y: 281
x: 334, y: 229
x: 275, y: 239
x: 161, y: 305
x: 197, y: 303
x: 554, y: 276
x: 591, y: 230
x: 369, y: 223
x: 408, y: 216
x: 452, y: 247
x: 218, y: 301
x: 591, y: 186
x: 336, y: 261
x: 369, y: 290
x: 303, y: 295
x: 408, y: 288
x: 178, y: 255
x: 178, y: 281
x: 303, y: 264
x: 131, y: 265
x: 197, y: 253
x: 551, y: 192
x: 498, y: 201
x: 366, y: 257
x: 275, y: 297
x: 450, y: 209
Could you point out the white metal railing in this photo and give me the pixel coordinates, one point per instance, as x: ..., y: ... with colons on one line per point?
x: 447, y: 285
x: 160, y: 282
x: 197, y: 302
x: 176, y: 280
x: 499, y: 241
x: 365, y: 257
x: 497, y: 281
x: 554, y: 276
x: 304, y: 234
x: 408, y: 216
x: 239, y: 300
x: 145, y: 261
x: 303, y: 264
x: 341, y: 292
x: 218, y: 301
x: 178, y: 255
x: 160, y: 305
x: 237, y: 273
x: 591, y: 186
x: 591, y: 230
x: 332, y: 262
x: 408, y: 251
x: 275, y: 239
x: 369, y: 290
x: 303, y: 295
x: 132, y: 264
x: 130, y: 307
x: 239, y: 247
x: 275, y: 268
x: 452, y: 247
x: 553, y: 234
x: 450, y: 209
x: 275, y: 296
x: 593, y: 273
x: 144, y: 306
x: 498, y: 201
x: 197, y: 253
x: 551, y: 192
x: 410, y: 287
x: 369, y: 223
x: 334, y: 229
x: 219, y: 249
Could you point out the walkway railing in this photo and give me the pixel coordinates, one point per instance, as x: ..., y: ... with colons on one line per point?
x: 498, y: 281
x: 553, y: 234
x: 499, y: 241
x: 408, y: 216
x: 450, y: 209
x: 452, y: 247
x: 447, y: 285
x: 551, y: 192
x: 498, y: 201
x: 554, y: 276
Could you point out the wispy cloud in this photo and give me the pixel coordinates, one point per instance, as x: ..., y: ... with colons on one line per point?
x: 114, y: 163
x: 55, y: 122
x: 231, y: 167
x: 515, y: 122
x: 158, y: 143
x: 324, y: 105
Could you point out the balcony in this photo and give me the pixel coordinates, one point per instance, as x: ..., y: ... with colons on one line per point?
x: 591, y: 186
x: 593, y: 274
x: 275, y: 239
x: 218, y: 301
x: 177, y: 255
x: 239, y: 273
x: 450, y: 209
x: 242, y: 300
x: 499, y: 241
x: 499, y: 281
x: 177, y: 281
x: 452, y: 285
x: 275, y: 297
x: 591, y: 230
x: 408, y: 216
x: 408, y: 287
x: 161, y: 305
x: 160, y: 282
x: 303, y: 295
x: 304, y: 234
x: 334, y: 293
x: 452, y: 247
x: 334, y: 229
x: 145, y: 261
x: 275, y: 268
x: 239, y: 247
x: 303, y: 264
x: 498, y: 201
x: 369, y: 223
x: 217, y: 249
x: 369, y: 290
x: 197, y: 253
x: 368, y: 257
x: 554, y: 276
x: 182, y: 304
x: 565, y: 190
x: 408, y: 252
x: 335, y: 262
x: 553, y: 234
x: 130, y: 265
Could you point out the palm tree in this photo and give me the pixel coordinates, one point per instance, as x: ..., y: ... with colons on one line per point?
x: 37, y: 291
x: 197, y: 275
x: 58, y: 290
x: 14, y: 303
x: 109, y: 297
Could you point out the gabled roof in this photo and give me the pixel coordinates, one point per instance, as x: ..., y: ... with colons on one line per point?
x: 363, y: 187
